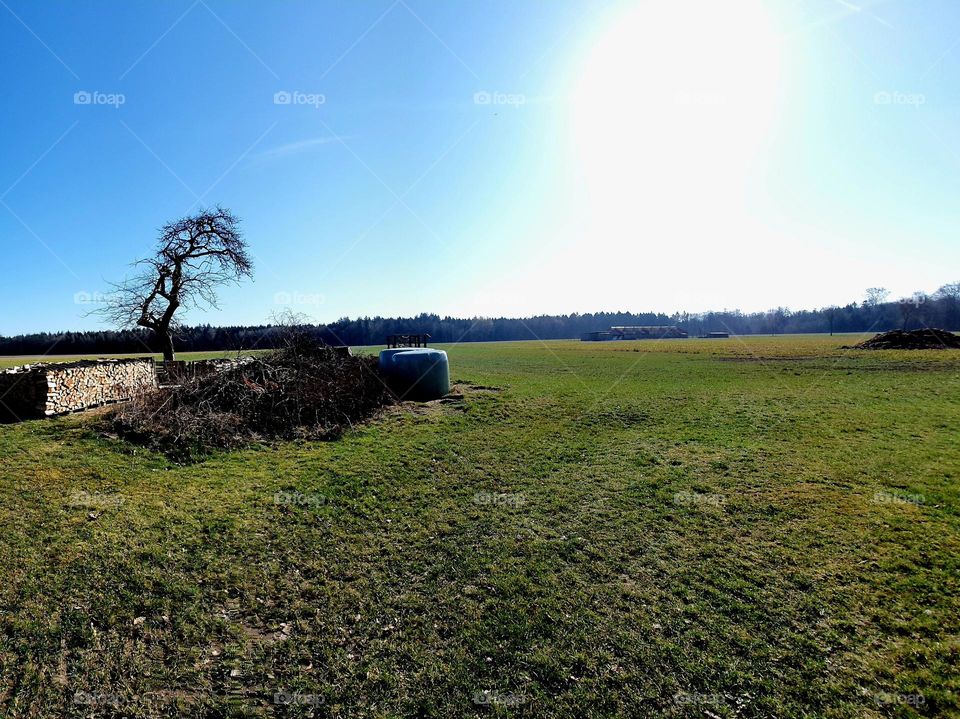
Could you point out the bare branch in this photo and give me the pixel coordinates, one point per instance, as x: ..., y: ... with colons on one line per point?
x: 194, y: 256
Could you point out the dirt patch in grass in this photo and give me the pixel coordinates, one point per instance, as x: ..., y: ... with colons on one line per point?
x: 758, y: 358
x: 925, y: 339
x: 454, y: 401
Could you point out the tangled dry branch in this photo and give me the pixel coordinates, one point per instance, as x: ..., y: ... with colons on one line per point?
x: 303, y: 390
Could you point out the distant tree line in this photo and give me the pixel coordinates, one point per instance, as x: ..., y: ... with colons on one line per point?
x: 874, y: 314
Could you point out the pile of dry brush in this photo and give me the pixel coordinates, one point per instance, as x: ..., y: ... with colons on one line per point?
x: 925, y: 339
x: 303, y: 390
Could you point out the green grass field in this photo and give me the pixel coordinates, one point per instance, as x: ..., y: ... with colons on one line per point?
x: 755, y: 528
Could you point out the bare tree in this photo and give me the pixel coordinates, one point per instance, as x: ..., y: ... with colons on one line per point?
x: 949, y: 296
x: 831, y: 312
x: 910, y: 306
x: 195, y: 255
x: 778, y: 319
x: 951, y: 290
x: 876, y: 296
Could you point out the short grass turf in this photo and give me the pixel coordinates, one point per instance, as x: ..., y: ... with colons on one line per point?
x: 757, y: 527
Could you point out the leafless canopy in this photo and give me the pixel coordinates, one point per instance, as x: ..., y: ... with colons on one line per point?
x: 195, y: 255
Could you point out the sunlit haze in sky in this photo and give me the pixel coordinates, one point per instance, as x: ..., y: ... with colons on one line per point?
x: 497, y: 158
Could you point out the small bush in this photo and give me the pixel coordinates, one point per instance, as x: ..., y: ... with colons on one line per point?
x: 303, y: 390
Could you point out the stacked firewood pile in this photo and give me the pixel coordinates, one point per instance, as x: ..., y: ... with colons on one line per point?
x: 23, y: 393
x: 47, y: 389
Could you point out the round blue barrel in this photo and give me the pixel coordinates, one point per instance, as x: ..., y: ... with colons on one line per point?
x: 417, y: 374
x: 387, y: 355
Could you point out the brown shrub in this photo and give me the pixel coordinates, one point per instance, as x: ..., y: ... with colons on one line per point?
x: 304, y: 390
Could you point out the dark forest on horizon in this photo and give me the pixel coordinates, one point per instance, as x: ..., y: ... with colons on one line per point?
x: 941, y: 309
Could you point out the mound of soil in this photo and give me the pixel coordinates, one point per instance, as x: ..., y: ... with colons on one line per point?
x: 926, y: 339
x: 304, y: 390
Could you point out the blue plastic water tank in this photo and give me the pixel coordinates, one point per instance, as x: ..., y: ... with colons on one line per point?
x: 417, y: 374
x: 387, y: 355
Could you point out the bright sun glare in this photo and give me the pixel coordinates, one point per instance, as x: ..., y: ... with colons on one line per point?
x: 672, y: 108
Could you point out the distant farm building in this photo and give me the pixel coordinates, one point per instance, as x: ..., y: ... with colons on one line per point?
x: 715, y: 335
x: 597, y: 336
x: 646, y: 332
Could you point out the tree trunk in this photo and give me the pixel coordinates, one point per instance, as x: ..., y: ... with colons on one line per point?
x: 165, y: 341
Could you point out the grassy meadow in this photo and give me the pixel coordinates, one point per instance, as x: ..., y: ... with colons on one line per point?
x: 754, y: 527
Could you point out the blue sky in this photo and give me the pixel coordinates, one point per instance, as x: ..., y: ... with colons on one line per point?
x: 483, y: 158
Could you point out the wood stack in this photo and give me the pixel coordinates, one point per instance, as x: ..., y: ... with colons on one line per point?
x: 23, y: 393
x: 56, y: 388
